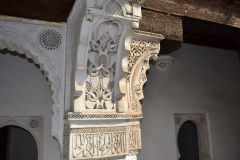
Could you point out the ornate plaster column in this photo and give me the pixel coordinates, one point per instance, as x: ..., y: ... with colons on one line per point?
x: 111, y: 65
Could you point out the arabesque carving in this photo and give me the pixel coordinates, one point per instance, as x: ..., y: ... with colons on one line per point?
x: 99, y: 57
x: 100, y: 142
x: 101, y: 66
x: 135, y: 65
x: 111, y: 71
x: 138, y: 64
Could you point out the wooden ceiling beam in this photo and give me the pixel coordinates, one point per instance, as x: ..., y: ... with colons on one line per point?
x: 218, y: 11
x: 169, y: 26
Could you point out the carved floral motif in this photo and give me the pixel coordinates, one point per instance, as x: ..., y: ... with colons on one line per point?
x: 138, y: 63
x: 139, y: 49
x: 102, y: 62
x: 101, y: 66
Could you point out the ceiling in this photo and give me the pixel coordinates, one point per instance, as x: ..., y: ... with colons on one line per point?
x: 210, y: 34
x: 194, y: 31
x: 48, y: 10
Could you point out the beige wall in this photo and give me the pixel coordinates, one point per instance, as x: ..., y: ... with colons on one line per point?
x: 201, y: 80
x: 25, y: 91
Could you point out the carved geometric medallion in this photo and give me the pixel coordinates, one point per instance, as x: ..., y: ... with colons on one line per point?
x: 164, y: 62
x: 50, y: 39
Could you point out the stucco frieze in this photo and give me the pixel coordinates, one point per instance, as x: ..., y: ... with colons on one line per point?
x: 89, y: 141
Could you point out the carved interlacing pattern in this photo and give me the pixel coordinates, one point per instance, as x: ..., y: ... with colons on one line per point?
x: 80, y: 116
x: 139, y: 49
x: 138, y: 64
x: 114, y: 8
x: 104, y: 142
x: 111, y: 85
x: 101, y: 66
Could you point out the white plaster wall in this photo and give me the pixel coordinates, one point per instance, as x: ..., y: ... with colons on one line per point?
x: 201, y: 80
x: 25, y: 91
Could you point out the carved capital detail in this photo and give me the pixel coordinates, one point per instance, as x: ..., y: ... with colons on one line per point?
x: 142, y: 49
x: 99, y: 68
x: 111, y: 71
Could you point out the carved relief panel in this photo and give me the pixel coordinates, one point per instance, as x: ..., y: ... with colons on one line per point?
x: 102, y: 56
x: 111, y: 64
x: 87, y: 142
x: 142, y: 48
x: 104, y: 30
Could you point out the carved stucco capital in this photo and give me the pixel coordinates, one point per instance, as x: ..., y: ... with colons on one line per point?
x: 111, y: 70
x: 142, y: 47
x: 104, y: 31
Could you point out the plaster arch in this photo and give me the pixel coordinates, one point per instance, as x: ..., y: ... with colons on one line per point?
x: 49, y: 73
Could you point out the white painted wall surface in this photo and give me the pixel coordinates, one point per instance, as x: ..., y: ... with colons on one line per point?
x: 25, y: 91
x: 201, y: 80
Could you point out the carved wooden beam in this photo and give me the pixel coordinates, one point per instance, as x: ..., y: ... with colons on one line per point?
x: 169, y: 26
x: 218, y: 11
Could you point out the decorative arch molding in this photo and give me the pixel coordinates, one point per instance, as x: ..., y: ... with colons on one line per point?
x: 15, y: 41
x: 12, y: 47
x: 32, y: 124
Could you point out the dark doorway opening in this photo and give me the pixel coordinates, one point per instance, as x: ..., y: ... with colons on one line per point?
x: 17, y: 143
x: 188, y: 142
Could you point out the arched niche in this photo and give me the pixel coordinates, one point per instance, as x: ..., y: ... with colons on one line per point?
x: 200, y: 120
x: 31, y: 125
x: 187, y: 140
x: 14, y: 141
